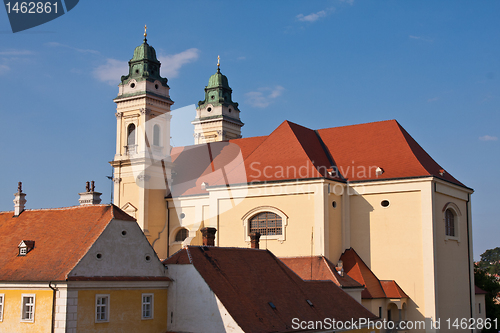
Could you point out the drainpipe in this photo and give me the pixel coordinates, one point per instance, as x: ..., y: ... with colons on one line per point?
x: 53, y: 307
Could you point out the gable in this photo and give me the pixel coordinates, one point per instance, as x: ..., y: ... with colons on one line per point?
x: 121, y: 250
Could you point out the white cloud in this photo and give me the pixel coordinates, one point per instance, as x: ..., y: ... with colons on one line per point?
x: 171, y: 64
x: 113, y: 69
x: 55, y: 44
x: 12, y: 52
x: 488, y: 138
x: 4, y: 69
x: 264, y: 96
x: 313, y: 17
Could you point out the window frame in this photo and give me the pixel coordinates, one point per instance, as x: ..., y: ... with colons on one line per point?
x: 151, y: 303
x: 262, y: 209
x: 33, y: 307
x: 106, y: 308
x: 156, y: 135
x: 453, y: 208
x: 2, y: 306
x: 177, y: 232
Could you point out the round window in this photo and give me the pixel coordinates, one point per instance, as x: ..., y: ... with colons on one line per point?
x: 334, y: 204
x: 385, y: 203
x: 132, y: 85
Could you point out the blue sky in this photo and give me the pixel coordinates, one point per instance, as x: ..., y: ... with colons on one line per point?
x: 433, y: 66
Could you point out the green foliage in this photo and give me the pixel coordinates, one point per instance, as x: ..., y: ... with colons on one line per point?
x: 490, y: 261
x: 484, y: 278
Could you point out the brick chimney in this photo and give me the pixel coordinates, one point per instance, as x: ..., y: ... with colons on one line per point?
x: 90, y: 196
x: 208, y: 236
x: 254, y: 240
x: 19, y: 200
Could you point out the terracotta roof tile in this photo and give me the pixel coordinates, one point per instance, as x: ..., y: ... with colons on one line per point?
x: 392, y: 289
x: 319, y: 268
x: 62, y: 237
x: 479, y: 290
x: 292, y: 152
x: 246, y: 280
x: 356, y: 268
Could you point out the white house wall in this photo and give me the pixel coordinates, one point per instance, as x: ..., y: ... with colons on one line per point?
x: 121, y: 255
x: 193, y: 307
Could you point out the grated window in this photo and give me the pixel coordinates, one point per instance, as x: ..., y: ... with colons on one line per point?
x: 266, y: 223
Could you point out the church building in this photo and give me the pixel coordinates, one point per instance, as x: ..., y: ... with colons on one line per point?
x: 369, y: 187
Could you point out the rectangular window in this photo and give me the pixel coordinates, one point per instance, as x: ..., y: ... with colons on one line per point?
x: 2, y: 297
x: 147, y: 306
x: 28, y: 308
x: 101, y: 308
x: 477, y: 304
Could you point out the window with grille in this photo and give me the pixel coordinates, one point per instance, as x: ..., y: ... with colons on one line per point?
x: 449, y: 223
x: 147, y: 306
x: 28, y: 310
x: 181, y: 235
x: 266, y: 223
x: 102, y: 308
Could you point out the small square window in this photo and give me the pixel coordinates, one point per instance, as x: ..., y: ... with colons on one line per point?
x: 28, y: 308
x: 147, y: 306
x: 23, y: 251
x: 101, y: 308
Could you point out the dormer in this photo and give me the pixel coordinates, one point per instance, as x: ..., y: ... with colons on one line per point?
x: 25, y: 246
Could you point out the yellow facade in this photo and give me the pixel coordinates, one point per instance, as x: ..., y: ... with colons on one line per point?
x: 125, y: 310
x: 13, y: 306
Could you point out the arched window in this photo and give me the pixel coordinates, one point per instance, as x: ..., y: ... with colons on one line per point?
x: 156, y: 135
x: 181, y: 235
x: 449, y: 218
x: 131, y: 135
x: 266, y: 223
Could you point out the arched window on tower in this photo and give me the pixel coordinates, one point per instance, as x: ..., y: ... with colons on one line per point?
x: 266, y: 223
x: 156, y: 135
x: 449, y: 217
x: 130, y: 139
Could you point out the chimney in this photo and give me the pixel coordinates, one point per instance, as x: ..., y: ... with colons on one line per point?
x: 254, y: 240
x: 19, y: 200
x: 90, y: 196
x: 208, y: 236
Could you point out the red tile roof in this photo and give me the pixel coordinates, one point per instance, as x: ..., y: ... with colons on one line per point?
x: 319, y: 268
x: 479, y: 290
x: 356, y: 268
x: 62, y: 237
x: 246, y: 280
x: 293, y: 152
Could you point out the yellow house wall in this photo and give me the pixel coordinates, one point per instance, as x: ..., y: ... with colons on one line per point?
x: 452, y: 271
x: 12, y: 311
x: 300, y: 211
x: 389, y: 240
x: 125, y: 311
x: 335, y: 228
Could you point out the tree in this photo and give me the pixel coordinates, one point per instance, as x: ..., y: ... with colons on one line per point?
x: 484, y: 276
x: 490, y: 261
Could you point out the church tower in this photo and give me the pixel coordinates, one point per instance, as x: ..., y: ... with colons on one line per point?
x: 217, y: 117
x: 142, y: 164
